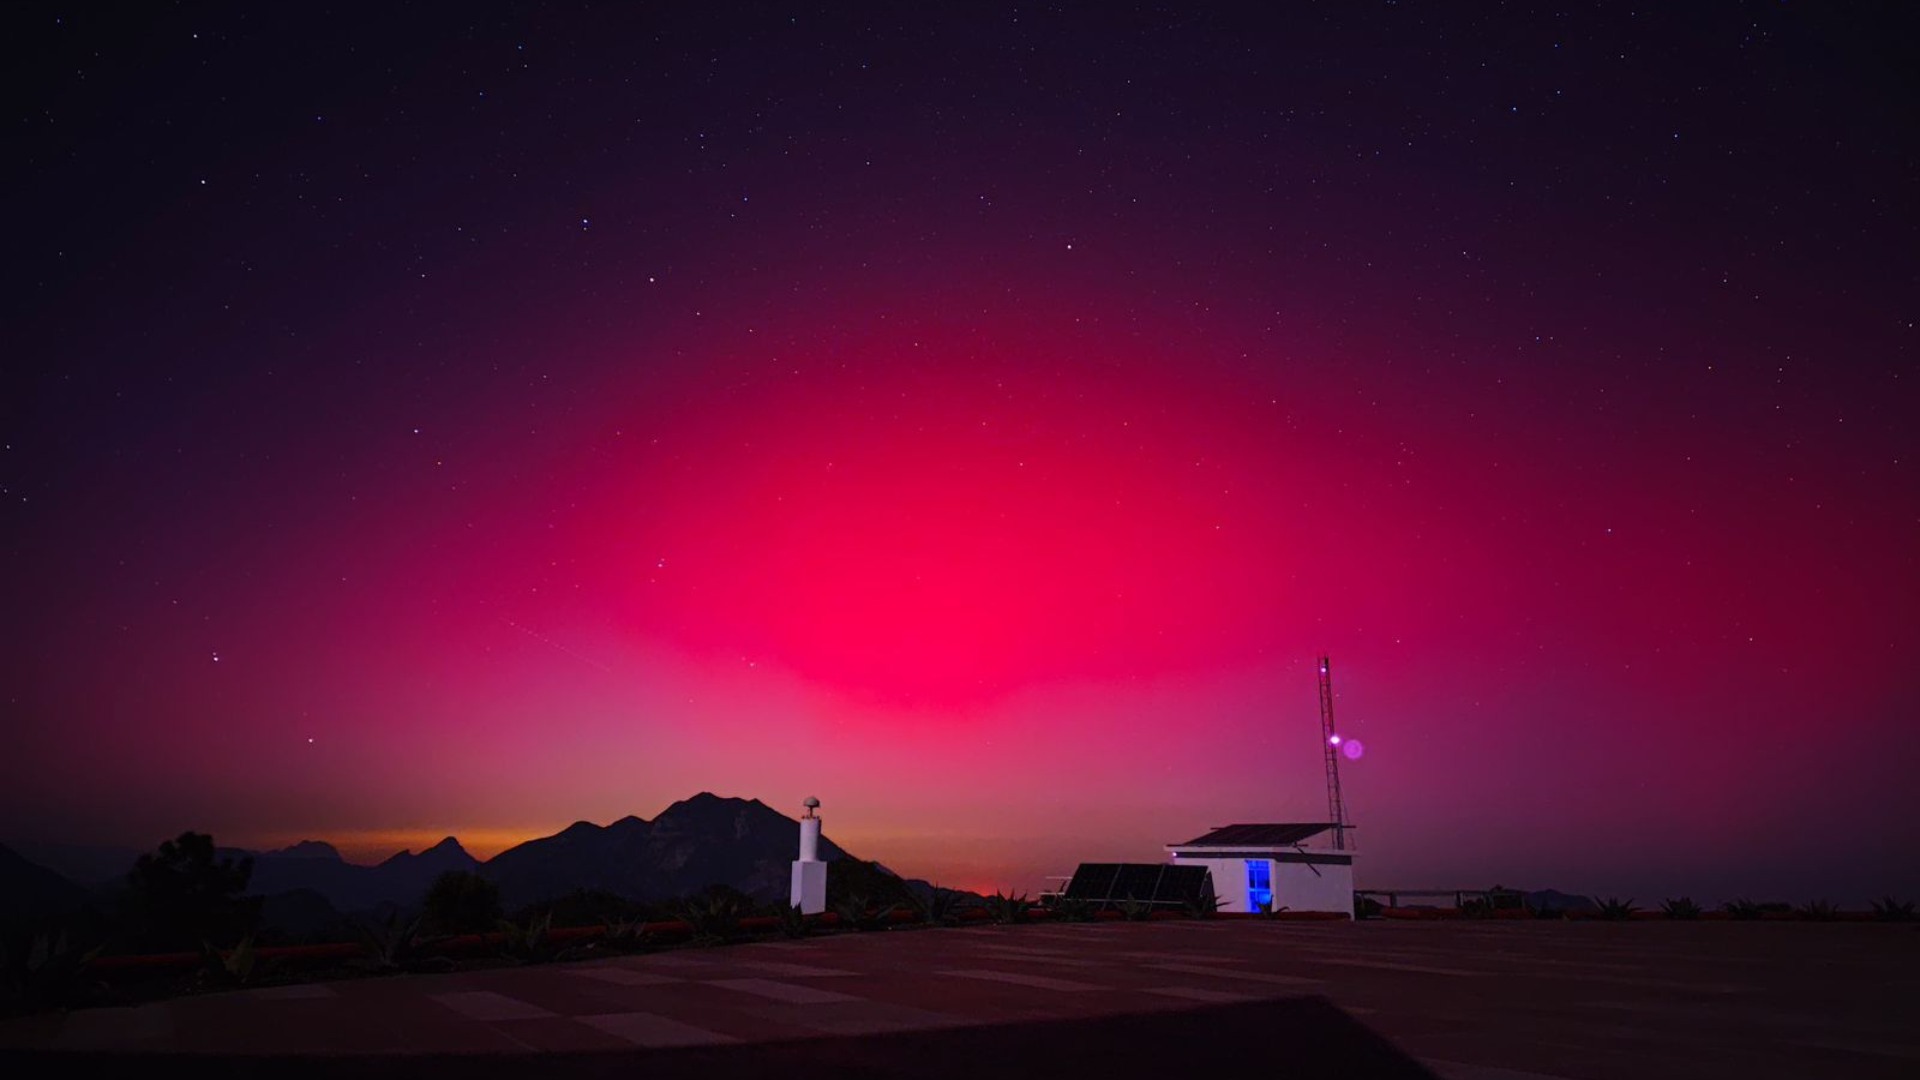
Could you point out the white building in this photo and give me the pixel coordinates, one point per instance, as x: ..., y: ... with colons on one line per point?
x: 1255, y: 865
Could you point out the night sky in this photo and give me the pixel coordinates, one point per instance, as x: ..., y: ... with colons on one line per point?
x: 445, y: 421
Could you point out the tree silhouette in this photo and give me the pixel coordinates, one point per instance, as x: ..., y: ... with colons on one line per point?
x: 186, y: 895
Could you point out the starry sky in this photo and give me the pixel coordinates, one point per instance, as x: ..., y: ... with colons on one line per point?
x: 468, y: 421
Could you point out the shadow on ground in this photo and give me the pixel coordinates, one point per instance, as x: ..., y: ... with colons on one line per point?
x: 1302, y: 1038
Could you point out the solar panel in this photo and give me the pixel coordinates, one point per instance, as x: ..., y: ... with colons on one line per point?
x: 1258, y: 835
x: 1158, y: 884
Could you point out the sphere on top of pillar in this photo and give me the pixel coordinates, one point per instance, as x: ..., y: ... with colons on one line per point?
x: 811, y: 804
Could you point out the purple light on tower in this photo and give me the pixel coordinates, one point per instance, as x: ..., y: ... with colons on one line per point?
x: 1352, y: 749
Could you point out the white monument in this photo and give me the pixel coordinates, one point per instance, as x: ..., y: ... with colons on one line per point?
x: 809, y: 873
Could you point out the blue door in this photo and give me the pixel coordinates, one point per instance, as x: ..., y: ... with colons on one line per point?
x: 1259, y: 885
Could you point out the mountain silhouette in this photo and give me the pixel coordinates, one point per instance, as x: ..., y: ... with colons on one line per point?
x: 315, y: 865
x: 697, y: 842
x: 30, y: 892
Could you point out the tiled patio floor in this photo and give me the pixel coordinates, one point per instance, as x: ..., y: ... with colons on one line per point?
x: 1472, y: 1001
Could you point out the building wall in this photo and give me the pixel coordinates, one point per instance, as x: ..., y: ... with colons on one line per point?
x: 1295, y: 886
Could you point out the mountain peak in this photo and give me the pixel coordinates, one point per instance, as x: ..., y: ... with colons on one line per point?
x: 306, y: 849
x: 446, y: 846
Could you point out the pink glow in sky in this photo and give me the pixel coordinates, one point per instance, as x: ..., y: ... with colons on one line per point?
x: 991, y: 457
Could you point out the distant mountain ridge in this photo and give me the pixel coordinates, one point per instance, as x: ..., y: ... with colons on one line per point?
x: 695, y: 843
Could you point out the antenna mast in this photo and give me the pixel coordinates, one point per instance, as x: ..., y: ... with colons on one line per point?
x: 1330, y: 745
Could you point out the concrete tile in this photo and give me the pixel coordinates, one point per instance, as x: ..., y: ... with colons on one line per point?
x: 1194, y: 993
x: 647, y: 1029
x: 1270, y: 978
x: 296, y: 992
x: 794, y: 971
x: 1453, y: 1070
x: 789, y: 993
x: 863, y: 1018
x: 625, y: 976
x: 486, y: 1005
x: 1038, y: 982
x: 104, y: 1029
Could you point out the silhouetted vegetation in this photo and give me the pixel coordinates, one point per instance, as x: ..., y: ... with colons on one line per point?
x: 1134, y: 909
x: 45, y: 971
x: 1366, y: 907
x: 1681, y: 908
x: 1891, y: 910
x: 714, y: 917
x: 399, y: 944
x: 462, y: 902
x: 185, y: 897
x: 1742, y: 910
x: 1204, y: 906
x: 1819, y: 911
x: 1073, y: 910
x: 1615, y: 908
x: 1008, y: 910
x: 942, y: 906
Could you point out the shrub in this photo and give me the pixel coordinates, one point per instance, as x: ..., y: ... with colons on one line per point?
x: 1268, y: 911
x: 794, y: 922
x: 714, y: 918
x: 1681, y: 908
x: 462, y: 902
x: 1891, y: 910
x: 941, y: 906
x: 1366, y: 907
x: 530, y: 942
x: 1204, y: 906
x: 235, y: 967
x: 44, y: 971
x: 1135, y: 910
x: 398, y: 944
x: 1074, y: 910
x: 1819, y: 911
x: 857, y: 913
x: 1547, y: 911
x: 1617, y: 909
x: 1009, y: 910
x: 1743, y: 910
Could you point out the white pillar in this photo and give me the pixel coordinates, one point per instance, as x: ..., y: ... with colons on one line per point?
x: 809, y: 892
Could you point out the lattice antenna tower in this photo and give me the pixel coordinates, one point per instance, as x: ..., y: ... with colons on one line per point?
x: 1330, y: 746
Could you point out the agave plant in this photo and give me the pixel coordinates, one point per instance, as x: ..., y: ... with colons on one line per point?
x: 714, y: 920
x: 794, y: 923
x: 624, y: 934
x: 234, y: 967
x: 942, y: 906
x: 1742, y: 910
x: 397, y: 944
x: 1135, y: 910
x: 1074, y: 910
x: 530, y: 942
x: 1268, y: 911
x: 856, y: 913
x: 1204, y: 906
x: 1680, y: 908
x: 1819, y: 911
x: 1009, y: 910
x: 1891, y: 910
x: 1617, y: 909
x: 45, y: 972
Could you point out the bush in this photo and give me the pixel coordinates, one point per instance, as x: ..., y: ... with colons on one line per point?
x: 462, y: 902
x: 1743, y: 910
x: 1617, y: 909
x: 1681, y: 908
x: 1891, y: 910
x: 1009, y: 910
x: 1819, y: 911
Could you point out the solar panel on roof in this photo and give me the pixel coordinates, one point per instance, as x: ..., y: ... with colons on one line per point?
x: 1158, y: 884
x: 1259, y: 835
